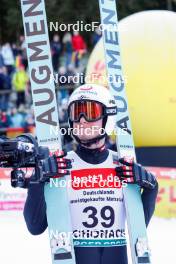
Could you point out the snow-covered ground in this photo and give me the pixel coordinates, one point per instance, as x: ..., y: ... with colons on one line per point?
x: 17, y: 246
x: 162, y: 240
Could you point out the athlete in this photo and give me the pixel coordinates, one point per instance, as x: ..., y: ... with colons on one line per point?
x: 97, y: 177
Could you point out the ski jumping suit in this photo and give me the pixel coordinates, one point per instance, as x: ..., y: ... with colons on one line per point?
x: 97, y: 209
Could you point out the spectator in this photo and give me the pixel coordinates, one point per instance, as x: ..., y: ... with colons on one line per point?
x: 5, y: 88
x: 68, y: 49
x: 22, y: 111
x: 96, y: 36
x: 16, y: 119
x: 22, y: 51
x: 63, y: 81
x: 79, y: 47
x: 15, y: 50
x: 29, y: 119
x: 20, y: 81
x: 8, y: 57
x: 62, y: 76
x: 4, y: 120
x: 56, y: 48
x: 13, y: 114
x: 63, y: 115
x: 71, y: 74
x: 1, y: 59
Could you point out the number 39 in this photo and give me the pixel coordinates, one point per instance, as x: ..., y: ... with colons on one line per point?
x: 106, y: 213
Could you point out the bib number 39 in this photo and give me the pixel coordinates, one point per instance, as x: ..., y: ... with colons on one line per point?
x: 107, y: 217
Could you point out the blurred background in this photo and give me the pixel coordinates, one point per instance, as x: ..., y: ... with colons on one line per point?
x: 148, y: 47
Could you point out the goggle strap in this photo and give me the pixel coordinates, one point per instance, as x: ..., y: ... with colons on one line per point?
x: 111, y: 110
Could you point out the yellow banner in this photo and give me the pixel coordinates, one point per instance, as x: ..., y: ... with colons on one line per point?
x: 166, y: 200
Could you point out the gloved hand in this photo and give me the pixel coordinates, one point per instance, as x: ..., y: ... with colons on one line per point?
x: 134, y: 173
x: 55, y: 166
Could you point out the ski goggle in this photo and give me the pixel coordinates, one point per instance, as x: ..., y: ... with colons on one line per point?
x: 91, y: 110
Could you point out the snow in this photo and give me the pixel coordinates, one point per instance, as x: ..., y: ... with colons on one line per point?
x: 17, y: 246
x: 162, y: 240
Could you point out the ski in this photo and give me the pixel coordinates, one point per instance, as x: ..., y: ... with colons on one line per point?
x: 125, y: 146
x: 47, y: 125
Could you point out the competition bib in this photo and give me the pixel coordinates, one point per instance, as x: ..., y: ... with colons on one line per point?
x: 96, y: 203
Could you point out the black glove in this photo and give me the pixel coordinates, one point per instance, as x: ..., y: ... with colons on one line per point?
x: 18, y: 179
x: 134, y: 173
x: 55, y: 166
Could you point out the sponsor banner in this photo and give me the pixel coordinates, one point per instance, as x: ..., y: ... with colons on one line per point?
x: 13, y: 199
x: 14, y: 132
x: 166, y: 200
x: 5, y: 174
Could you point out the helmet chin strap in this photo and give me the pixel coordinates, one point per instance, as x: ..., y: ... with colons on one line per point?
x: 89, y: 142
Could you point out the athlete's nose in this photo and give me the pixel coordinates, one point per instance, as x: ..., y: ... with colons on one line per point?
x: 82, y: 120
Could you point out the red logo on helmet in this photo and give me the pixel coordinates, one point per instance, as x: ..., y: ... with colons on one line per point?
x: 87, y: 88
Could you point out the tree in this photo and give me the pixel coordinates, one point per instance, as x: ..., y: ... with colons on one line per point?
x: 68, y: 11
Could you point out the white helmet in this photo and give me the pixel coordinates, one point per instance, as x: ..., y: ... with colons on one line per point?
x: 97, y: 93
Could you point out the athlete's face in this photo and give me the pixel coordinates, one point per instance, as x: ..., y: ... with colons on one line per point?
x: 87, y: 130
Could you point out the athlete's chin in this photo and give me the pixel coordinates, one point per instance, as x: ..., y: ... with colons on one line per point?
x: 86, y: 137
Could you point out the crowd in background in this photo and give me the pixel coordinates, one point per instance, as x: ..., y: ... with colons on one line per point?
x: 68, y: 53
